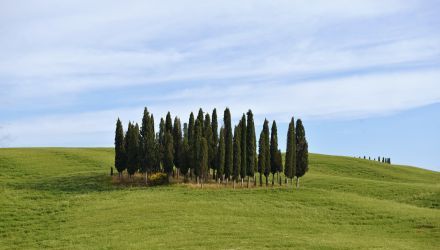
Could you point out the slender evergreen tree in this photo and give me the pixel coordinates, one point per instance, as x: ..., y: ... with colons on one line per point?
x: 198, y: 135
x: 237, y: 154
x: 273, y: 150
x: 168, y: 123
x: 290, y: 161
x: 279, y: 163
x: 228, y: 144
x: 185, y: 158
x: 168, y: 161
x: 214, y: 127
x: 178, y: 144
x: 243, y: 127
x: 221, y: 154
x: 200, y: 118
x: 207, y: 134
x: 132, y: 148
x: 162, y: 130
x: 250, y: 146
x: 267, y: 150
x: 203, y: 160
x: 302, y: 155
x: 261, y: 156
x: 191, y: 143
x: 120, y: 155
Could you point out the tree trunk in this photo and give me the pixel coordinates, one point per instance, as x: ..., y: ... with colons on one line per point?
x: 279, y: 179
x: 255, y: 180
x: 297, y: 182
x: 273, y: 179
x: 261, y: 180
x: 146, y: 178
x: 286, y: 180
x: 249, y: 179
x: 242, y: 182
x: 267, y: 180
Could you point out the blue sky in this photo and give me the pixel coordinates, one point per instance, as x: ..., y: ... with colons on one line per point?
x: 363, y: 75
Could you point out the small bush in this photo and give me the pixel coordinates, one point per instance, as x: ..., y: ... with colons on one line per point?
x: 157, y: 179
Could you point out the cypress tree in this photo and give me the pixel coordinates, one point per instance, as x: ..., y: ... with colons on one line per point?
x: 168, y: 123
x: 147, y: 144
x: 168, y: 161
x: 203, y: 160
x: 302, y: 156
x: 210, y: 142
x: 197, y: 148
x: 214, y: 127
x: 120, y: 155
x: 273, y: 150
x: 162, y: 130
x: 267, y: 150
x: 221, y: 154
x: 178, y: 144
x: 200, y: 118
x: 261, y: 156
x: 228, y: 144
x: 191, y: 143
x: 190, y: 127
x: 243, y: 167
x: 132, y: 148
x: 290, y: 161
x: 250, y: 145
x: 237, y: 154
x: 279, y: 161
x: 185, y: 158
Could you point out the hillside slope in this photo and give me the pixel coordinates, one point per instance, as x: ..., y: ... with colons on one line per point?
x: 63, y: 198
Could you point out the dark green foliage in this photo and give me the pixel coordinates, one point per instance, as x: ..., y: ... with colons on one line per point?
x: 168, y: 123
x: 168, y: 160
x: 243, y: 147
x: 273, y: 148
x: 132, y: 148
x: 267, y: 151
x: 261, y: 155
x: 196, y: 150
x: 203, y: 162
x: 221, y: 154
x: 209, y: 140
x: 250, y: 145
x: 147, y: 144
x: 290, y: 161
x: 200, y: 118
x: 120, y: 155
x: 178, y: 143
x: 302, y: 155
x: 228, y: 144
x: 185, y: 158
x: 237, y: 153
x: 279, y: 161
x: 214, y: 127
x: 190, y: 128
x: 161, y: 139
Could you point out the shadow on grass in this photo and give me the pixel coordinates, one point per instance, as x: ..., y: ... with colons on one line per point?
x: 78, y: 184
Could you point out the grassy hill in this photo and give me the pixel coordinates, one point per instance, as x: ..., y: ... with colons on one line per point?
x: 63, y: 198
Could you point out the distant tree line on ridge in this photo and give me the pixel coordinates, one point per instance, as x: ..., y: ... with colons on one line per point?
x: 201, y: 150
x: 379, y: 159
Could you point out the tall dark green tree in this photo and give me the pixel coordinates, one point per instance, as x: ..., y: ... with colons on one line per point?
x: 243, y: 147
x: 261, y: 155
x: 273, y: 150
x: 290, y: 161
x: 214, y: 127
x: 228, y: 144
x: 132, y: 148
x: 279, y: 163
x: 185, y: 158
x: 197, y: 153
x: 250, y: 146
x: 168, y: 123
x: 237, y: 154
x: 191, y: 124
x: 168, y: 160
x: 162, y: 132
x: 203, y: 160
x: 267, y: 150
x: 210, y: 141
x: 120, y: 155
x: 200, y: 118
x: 221, y: 154
x: 302, y: 152
x: 178, y: 144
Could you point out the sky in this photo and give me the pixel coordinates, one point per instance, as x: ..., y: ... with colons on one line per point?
x: 364, y: 76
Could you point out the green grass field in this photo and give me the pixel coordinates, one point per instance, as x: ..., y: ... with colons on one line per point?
x: 63, y: 198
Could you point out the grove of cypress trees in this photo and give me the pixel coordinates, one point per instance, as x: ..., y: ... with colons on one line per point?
x: 228, y: 144
x: 243, y: 167
x: 120, y: 155
x: 290, y: 161
x: 273, y: 151
x: 302, y: 155
x: 267, y: 150
x: 221, y: 154
x: 250, y: 146
x: 261, y: 156
x: 237, y: 154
